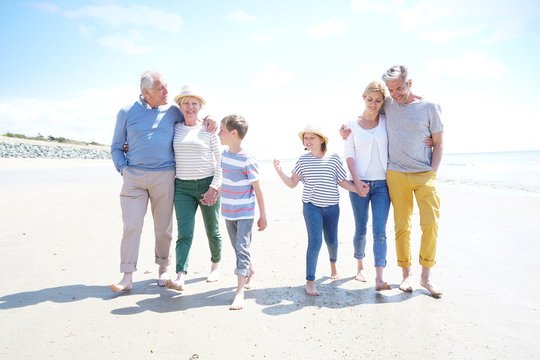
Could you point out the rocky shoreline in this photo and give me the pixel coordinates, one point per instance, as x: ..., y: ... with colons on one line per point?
x: 22, y: 148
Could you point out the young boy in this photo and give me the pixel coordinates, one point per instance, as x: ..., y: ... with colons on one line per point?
x: 238, y: 192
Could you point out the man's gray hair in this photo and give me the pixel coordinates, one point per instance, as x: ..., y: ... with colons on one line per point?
x: 395, y: 73
x: 147, y: 79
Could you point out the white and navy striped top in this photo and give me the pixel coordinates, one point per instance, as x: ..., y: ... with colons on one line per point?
x: 237, y: 194
x: 320, y: 177
x: 197, y: 153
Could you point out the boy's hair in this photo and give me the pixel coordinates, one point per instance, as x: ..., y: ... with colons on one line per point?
x: 236, y: 122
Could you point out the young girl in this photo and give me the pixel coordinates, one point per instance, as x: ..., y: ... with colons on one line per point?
x: 320, y: 173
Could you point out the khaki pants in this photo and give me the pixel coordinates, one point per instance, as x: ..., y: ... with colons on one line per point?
x: 139, y: 187
x: 401, y: 187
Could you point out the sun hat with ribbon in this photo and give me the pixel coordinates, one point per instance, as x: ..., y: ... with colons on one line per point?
x: 188, y: 91
x: 314, y: 129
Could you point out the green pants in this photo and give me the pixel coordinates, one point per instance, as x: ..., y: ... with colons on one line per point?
x: 187, y: 198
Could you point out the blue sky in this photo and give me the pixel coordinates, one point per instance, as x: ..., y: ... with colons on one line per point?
x: 68, y: 66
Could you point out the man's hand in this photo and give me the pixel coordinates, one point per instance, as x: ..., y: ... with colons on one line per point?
x: 210, y: 124
x: 344, y: 132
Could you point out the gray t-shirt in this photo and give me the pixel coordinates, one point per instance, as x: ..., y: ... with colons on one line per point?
x: 407, y: 126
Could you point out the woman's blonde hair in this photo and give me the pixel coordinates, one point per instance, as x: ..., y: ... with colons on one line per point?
x: 185, y: 99
x: 375, y: 86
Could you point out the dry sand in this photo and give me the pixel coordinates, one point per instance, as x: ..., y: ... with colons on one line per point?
x: 59, y: 251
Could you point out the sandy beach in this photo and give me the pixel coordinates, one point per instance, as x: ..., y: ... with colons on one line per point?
x: 59, y: 251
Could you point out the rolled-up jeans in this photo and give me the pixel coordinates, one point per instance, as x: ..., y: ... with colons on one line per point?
x: 320, y: 220
x: 380, y: 206
x: 240, y: 235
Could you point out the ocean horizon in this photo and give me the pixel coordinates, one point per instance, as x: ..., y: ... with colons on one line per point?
x: 516, y: 171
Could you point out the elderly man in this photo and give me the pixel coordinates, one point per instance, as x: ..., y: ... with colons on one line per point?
x: 412, y: 167
x: 148, y: 171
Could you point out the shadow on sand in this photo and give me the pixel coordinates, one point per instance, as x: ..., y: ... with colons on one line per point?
x: 275, y: 301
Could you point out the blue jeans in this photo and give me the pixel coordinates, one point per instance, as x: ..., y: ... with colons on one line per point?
x: 319, y: 220
x: 380, y: 206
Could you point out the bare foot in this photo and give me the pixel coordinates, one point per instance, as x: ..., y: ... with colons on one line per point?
x: 238, y: 302
x: 179, y: 284
x: 163, y: 276
x: 333, y: 271
x: 406, y: 284
x: 429, y: 287
x: 379, y: 286
x: 125, y: 284
x: 250, y: 284
x: 120, y: 287
x: 360, y: 276
x: 310, y: 288
x: 214, y: 273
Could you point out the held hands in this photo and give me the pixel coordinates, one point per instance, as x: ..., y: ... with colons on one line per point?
x: 210, y: 197
x: 362, y: 188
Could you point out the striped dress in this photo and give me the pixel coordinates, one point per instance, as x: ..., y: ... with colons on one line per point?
x: 320, y: 177
x: 197, y: 153
x: 237, y: 194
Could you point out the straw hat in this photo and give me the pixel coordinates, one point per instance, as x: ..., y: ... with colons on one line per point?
x: 187, y: 91
x: 314, y: 129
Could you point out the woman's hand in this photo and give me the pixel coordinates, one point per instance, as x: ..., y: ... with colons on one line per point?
x: 428, y: 141
x: 210, y: 197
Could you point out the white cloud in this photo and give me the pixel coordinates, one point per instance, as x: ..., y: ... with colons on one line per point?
x: 445, y: 36
x: 325, y: 29
x: 272, y: 78
x: 435, y: 19
x: 123, y: 43
x: 85, y: 31
x: 472, y: 65
x: 90, y: 115
x: 133, y: 15
x: 261, y: 38
x: 241, y: 16
x: 382, y: 5
x: 46, y: 7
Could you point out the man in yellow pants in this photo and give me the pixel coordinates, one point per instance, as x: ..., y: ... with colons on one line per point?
x: 412, y: 167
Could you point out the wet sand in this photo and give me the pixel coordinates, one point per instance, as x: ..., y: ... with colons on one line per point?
x: 59, y: 251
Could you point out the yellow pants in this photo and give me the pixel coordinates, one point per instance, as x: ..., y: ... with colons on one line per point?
x: 401, y: 187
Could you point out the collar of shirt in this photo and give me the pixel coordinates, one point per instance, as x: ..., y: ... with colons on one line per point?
x: 143, y: 102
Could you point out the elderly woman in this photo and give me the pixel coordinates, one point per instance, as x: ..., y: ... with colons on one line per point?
x: 198, y: 178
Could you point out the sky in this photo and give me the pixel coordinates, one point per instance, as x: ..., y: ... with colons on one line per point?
x: 69, y: 66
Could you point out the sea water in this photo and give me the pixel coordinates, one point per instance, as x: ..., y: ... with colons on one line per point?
x: 506, y: 171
